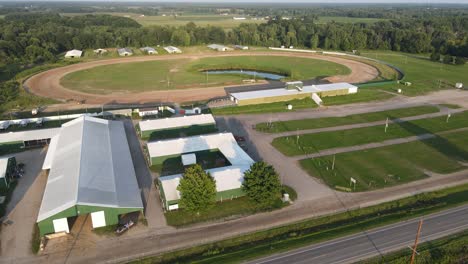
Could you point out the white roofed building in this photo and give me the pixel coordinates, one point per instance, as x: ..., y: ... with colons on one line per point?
x: 90, y: 172
x: 218, y: 47
x: 73, y: 54
x: 172, y: 49
x: 175, y: 126
x: 228, y: 179
x: 125, y: 52
x: 149, y: 50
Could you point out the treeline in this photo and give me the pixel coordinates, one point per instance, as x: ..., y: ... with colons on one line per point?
x: 39, y: 37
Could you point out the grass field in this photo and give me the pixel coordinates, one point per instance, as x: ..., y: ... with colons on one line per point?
x: 265, y: 108
x: 391, y: 165
x: 280, y: 239
x: 327, y: 19
x: 226, y: 22
x: 311, y: 143
x: 302, y: 124
x: 178, y: 74
x: 421, y: 72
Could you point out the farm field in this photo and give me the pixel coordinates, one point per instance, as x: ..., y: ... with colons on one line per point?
x: 180, y: 74
x: 311, y: 143
x: 226, y: 22
x: 392, y: 165
x: 302, y: 124
x: 421, y: 72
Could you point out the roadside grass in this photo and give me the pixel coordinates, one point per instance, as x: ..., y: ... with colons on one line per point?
x: 425, y: 75
x: 173, y: 74
x: 265, y: 108
x: 451, y: 106
x: 315, y: 230
x: 36, y: 240
x: 367, y: 94
x: 314, y: 142
x: 313, y: 123
x: 391, y: 165
x: 449, y: 249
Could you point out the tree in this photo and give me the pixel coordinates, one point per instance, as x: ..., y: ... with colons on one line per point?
x: 448, y: 59
x: 435, y: 56
x: 8, y: 91
x: 262, y: 184
x: 314, y: 41
x: 460, y: 61
x: 197, y: 189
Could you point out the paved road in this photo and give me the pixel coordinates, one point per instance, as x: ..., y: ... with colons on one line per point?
x: 376, y: 242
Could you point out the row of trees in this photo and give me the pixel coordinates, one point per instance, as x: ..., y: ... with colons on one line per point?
x: 39, y: 37
x: 198, y: 188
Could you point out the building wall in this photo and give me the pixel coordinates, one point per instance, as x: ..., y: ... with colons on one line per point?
x: 175, y: 132
x: 46, y: 226
x: 266, y: 100
x: 334, y: 93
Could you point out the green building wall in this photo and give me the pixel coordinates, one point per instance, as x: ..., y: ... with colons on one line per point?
x: 111, y: 215
x: 176, y: 132
x: 5, y: 182
x: 266, y: 100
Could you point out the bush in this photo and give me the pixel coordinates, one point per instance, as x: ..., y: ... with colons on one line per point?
x: 435, y: 56
x: 448, y: 59
x: 460, y: 61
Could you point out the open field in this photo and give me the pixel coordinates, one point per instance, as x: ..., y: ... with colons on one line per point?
x: 327, y: 19
x: 226, y: 22
x: 47, y: 84
x: 180, y: 74
x: 303, y: 233
x: 311, y: 143
x: 397, y: 164
x: 421, y: 72
x: 266, y: 108
x: 302, y: 124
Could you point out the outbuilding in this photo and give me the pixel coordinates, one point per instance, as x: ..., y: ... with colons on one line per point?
x: 149, y: 50
x: 90, y: 172
x: 100, y: 51
x: 125, y: 52
x: 73, y: 54
x: 240, y: 47
x: 174, y: 126
x: 7, y: 169
x: 218, y: 47
x: 172, y: 49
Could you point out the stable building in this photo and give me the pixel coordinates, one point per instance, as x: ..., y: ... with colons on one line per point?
x: 7, y: 170
x: 218, y: 47
x: 172, y: 49
x: 240, y: 47
x: 149, y: 50
x: 28, y: 138
x: 291, y: 91
x: 174, y: 126
x: 125, y: 52
x: 90, y: 172
x: 73, y: 54
x: 228, y: 179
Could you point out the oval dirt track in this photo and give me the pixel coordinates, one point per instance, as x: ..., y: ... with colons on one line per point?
x: 47, y: 84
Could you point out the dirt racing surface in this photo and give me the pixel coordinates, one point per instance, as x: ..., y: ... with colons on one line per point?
x: 47, y: 84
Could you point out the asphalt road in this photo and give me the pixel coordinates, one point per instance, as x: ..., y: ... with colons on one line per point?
x: 377, y: 241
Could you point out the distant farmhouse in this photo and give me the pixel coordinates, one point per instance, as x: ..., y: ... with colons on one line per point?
x: 90, y: 172
x: 240, y: 47
x: 293, y: 90
x: 125, y: 52
x: 149, y: 50
x: 228, y: 178
x: 218, y: 47
x: 71, y: 54
x: 172, y: 49
x: 100, y: 51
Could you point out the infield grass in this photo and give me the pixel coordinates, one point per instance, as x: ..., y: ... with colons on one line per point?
x: 182, y: 73
x: 313, y: 123
x: 314, y: 142
x: 391, y: 165
x: 425, y: 75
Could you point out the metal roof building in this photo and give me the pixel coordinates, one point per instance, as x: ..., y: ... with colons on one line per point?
x: 73, y: 54
x: 125, y: 52
x: 284, y: 94
x: 228, y: 179
x: 91, y: 172
x: 218, y: 47
x: 165, y: 127
x: 172, y: 49
x: 149, y: 50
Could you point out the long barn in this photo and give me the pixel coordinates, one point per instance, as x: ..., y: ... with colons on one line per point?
x: 90, y: 172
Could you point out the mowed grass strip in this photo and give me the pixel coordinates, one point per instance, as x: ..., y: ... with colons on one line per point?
x: 181, y: 73
x: 314, y: 142
x: 265, y: 108
x: 367, y: 94
x: 391, y: 165
x: 312, y: 123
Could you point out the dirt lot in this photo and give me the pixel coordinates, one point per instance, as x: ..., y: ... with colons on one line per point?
x: 47, y: 84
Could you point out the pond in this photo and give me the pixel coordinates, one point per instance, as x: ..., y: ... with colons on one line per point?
x: 255, y: 74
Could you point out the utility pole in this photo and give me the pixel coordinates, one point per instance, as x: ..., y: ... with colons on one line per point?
x: 413, y: 256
